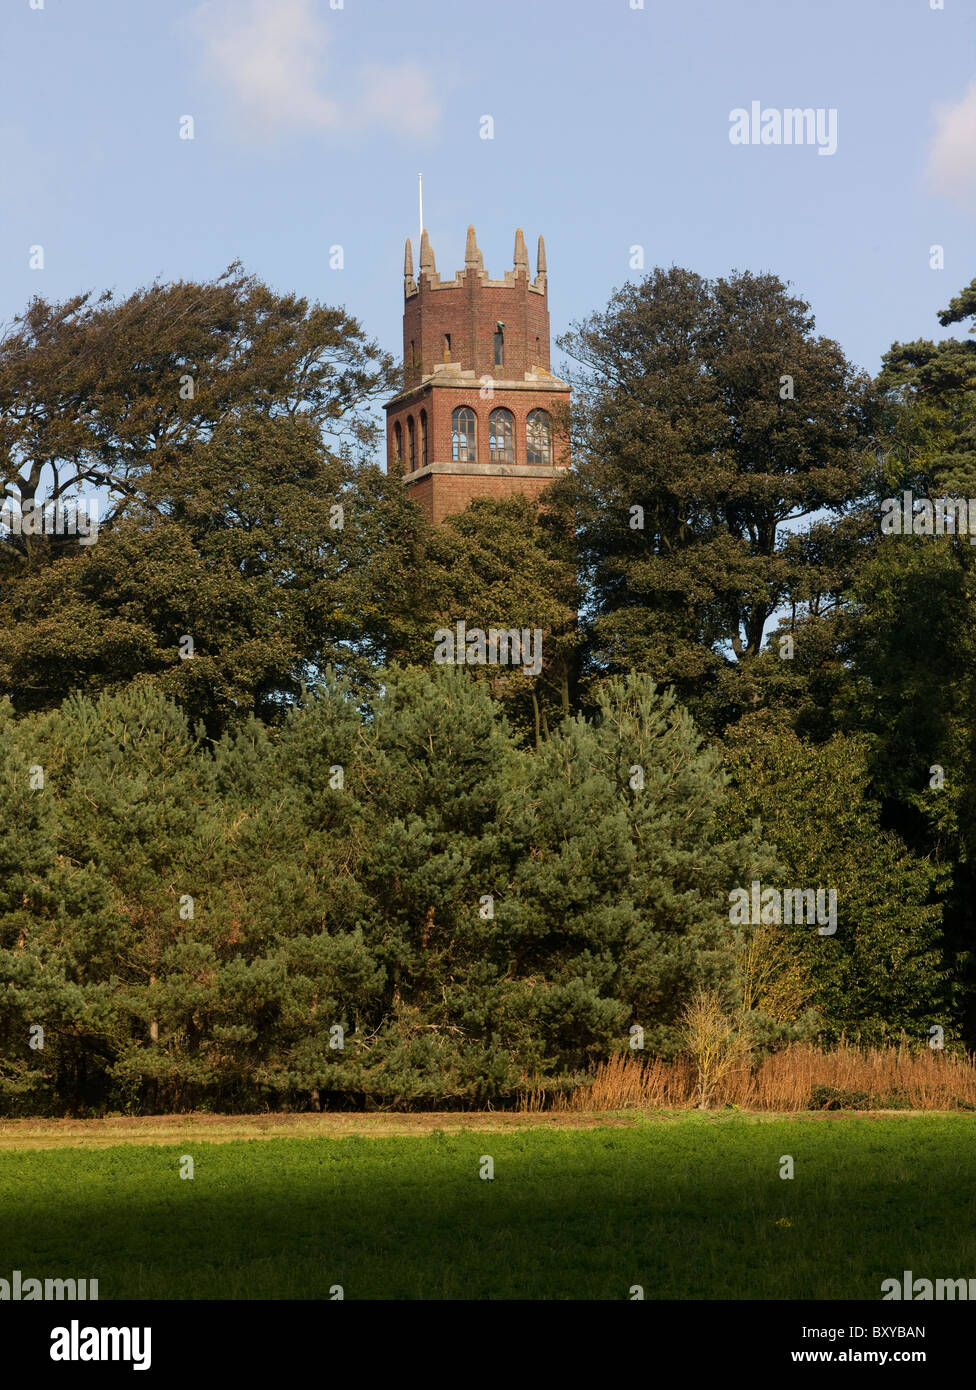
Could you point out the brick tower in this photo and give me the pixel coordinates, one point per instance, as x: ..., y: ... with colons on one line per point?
x: 476, y: 415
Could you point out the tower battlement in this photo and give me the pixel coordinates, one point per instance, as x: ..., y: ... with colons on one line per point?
x: 460, y: 320
x: 474, y: 265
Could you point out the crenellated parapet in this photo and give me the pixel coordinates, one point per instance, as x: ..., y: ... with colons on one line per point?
x: 474, y: 268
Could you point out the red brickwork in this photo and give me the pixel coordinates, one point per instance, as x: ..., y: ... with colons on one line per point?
x: 443, y: 494
x: 470, y: 313
x: 449, y: 334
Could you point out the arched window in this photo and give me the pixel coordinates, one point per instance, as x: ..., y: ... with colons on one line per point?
x: 538, y: 437
x: 463, y: 435
x: 398, y: 443
x: 501, y: 436
x: 423, y: 439
x: 411, y: 443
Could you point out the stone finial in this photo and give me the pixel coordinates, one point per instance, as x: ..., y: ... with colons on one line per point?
x: 472, y: 256
x: 540, y: 258
x: 409, y: 283
x: 521, y: 254
x: 426, y: 255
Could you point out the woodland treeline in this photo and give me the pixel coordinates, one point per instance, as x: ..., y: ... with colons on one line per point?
x: 258, y: 849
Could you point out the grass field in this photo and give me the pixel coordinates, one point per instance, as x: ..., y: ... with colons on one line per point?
x: 686, y: 1205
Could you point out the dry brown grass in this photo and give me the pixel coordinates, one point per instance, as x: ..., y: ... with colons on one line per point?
x: 863, y: 1078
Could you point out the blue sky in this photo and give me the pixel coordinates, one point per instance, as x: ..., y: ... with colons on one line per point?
x: 611, y: 128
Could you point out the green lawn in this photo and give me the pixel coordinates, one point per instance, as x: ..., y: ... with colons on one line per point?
x: 686, y: 1206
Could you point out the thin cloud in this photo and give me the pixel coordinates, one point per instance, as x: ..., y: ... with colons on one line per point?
x: 272, y: 59
x: 952, y: 156
x: 399, y: 97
